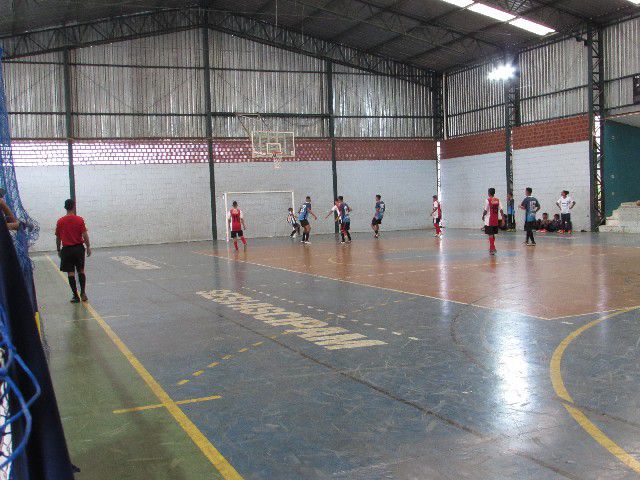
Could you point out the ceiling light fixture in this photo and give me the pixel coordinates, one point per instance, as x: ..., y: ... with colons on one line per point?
x: 635, y: 2
x: 503, y: 16
x: 532, y: 27
x: 491, y: 12
x: 502, y: 73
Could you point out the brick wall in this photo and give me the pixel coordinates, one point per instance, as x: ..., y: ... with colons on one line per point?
x: 385, y: 149
x: 555, y: 132
x: 465, y: 181
x: 549, y: 170
x: 406, y: 187
x: 480, y: 144
x: 163, y: 151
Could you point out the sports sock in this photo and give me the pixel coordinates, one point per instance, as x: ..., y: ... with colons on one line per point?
x: 244, y: 240
x: 72, y: 284
x: 235, y: 244
x: 437, y: 229
x: 83, y: 282
x: 342, y: 236
x: 348, y: 235
x: 492, y: 243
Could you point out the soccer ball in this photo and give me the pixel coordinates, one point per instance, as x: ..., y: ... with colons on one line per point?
x: 638, y: 203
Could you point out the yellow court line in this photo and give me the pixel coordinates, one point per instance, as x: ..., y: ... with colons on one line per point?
x: 560, y: 389
x: 160, y: 405
x: 213, y: 455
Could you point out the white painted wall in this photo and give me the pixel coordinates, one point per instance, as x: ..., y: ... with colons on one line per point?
x: 406, y: 187
x: 548, y: 170
x: 43, y: 191
x: 263, y: 213
x: 465, y: 181
x: 141, y: 204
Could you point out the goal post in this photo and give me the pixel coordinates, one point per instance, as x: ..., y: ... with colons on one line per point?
x: 264, y: 211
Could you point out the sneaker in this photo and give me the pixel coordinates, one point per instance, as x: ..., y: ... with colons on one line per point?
x: 348, y: 241
x: 342, y: 241
x: 526, y: 243
x: 560, y: 232
x: 435, y: 235
x: 376, y: 236
x: 83, y: 297
x: 492, y: 252
x: 570, y: 232
x: 75, y: 299
x: 307, y: 242
x: 532, y: 244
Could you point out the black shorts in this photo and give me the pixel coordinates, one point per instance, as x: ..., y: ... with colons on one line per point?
x: 346, y: 226
x: 237, y: 233
x: 72, y: 258
x: 491, y: 230
x: 304, y: 223
x: 376, y: 221
x: 436, y: 221
x: 529, y: 226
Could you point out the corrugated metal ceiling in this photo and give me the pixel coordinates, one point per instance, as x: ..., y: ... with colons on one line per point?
x: 425, y: 33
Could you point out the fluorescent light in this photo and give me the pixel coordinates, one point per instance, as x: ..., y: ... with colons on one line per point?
x: 494, y: 13
x: 462, y: 3
x: 635, y: 2
x: 502, y: 72
x: 533, y: 27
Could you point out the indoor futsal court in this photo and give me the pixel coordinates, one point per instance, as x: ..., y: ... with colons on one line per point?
x: 320, y: 239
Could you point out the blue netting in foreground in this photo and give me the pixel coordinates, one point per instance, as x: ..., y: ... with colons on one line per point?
x: 28, y: 232
x: 15, y: 417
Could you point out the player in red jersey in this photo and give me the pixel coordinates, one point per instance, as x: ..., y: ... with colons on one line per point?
x: 235, y: 220
x: 436, y: 214
x: 491, y: 216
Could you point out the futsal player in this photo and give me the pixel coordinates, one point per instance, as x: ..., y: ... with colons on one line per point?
x: 491, y: 217
x: 235, y: 220
x: 303, y: 218
x: 344, y: 219
x: 377, y: 216
x: 436, y: 214
x: 565, y: 203
x: 511, y: 213
x: 530, y: 205
x: 71, y: 239
x: 292, y: 220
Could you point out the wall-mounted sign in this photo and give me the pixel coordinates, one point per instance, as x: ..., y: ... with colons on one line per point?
x: 636, y: 89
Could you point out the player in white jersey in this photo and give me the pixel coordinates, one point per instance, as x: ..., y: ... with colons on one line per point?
x: 565, y: 203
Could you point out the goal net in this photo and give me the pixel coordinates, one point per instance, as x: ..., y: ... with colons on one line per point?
x: 264, y: 212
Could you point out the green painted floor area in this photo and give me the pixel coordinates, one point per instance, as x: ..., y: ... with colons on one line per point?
x: 92, y: 379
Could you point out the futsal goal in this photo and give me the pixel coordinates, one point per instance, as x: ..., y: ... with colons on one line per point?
x: 264, y: 212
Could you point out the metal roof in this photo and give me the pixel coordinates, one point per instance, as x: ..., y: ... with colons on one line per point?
x: 429, y: 34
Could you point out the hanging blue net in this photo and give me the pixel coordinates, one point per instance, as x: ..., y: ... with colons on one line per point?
x: 28, y: 232
x: 15, y: 415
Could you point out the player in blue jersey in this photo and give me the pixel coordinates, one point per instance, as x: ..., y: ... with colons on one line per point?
x: 343, y: 217
x: 303, y: 217
x: 377, y: 217
x: 530, y: 205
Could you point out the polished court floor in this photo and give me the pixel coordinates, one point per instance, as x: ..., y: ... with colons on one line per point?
x: 406, y: 357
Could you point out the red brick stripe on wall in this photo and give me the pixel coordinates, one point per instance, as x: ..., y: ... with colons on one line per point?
x: 554, y: 132
x: 385, y: 149
x: 480, y: 144
x: 176, y: 151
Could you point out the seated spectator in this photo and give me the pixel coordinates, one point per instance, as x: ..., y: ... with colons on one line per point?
x: 556, y: 223
x: 545, y: 223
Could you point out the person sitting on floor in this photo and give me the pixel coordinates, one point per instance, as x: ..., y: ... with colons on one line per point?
x: 556, y: 223
x: 545, y: 224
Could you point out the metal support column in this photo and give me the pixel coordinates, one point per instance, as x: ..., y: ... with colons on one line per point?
x: 596, y: 125
x: 438, y: 95
x: 209, y: 124
x: 332, y: 131
x: 68, y: 121
x: 511, y: 118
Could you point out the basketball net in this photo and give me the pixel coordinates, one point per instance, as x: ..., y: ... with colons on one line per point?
x: 277, y: 160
